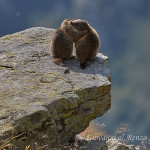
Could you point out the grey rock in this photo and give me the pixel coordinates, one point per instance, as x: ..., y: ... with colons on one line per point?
x: 85, y: 144
x: 42, y: 102
x: 114, y: 144
x: 100, y: 144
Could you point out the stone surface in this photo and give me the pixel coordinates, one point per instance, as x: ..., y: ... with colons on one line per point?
x: 41, y: 101
x: 99, y: 144
x: 114, y: 144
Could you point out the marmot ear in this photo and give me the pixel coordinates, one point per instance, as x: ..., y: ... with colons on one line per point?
x: 69, y: 19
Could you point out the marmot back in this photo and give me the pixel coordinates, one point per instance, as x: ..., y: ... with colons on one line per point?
x: 87, y: 46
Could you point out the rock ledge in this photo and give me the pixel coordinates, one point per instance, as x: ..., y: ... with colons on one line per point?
x: 41, y: 101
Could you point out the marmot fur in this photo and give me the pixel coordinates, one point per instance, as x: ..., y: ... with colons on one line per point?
x: 86, y: 46
x: 61, y: 44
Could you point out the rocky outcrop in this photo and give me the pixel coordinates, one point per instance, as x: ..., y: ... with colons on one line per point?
x: 42, y: 102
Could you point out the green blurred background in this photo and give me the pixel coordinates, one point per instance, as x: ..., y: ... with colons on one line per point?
x: 124, y: 30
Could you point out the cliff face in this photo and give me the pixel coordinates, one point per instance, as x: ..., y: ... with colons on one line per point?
x: 41, y: 101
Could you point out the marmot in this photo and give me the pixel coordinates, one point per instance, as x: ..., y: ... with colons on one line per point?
x: 86, y: 46
x: 61, y: 45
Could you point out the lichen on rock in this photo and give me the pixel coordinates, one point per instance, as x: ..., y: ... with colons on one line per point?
x: 41, y: 101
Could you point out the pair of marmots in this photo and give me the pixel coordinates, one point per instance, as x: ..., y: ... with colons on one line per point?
x: 80, y: 33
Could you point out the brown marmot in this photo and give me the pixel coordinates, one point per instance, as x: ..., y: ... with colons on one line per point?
x: 61, y: 44
x: 86, y: 46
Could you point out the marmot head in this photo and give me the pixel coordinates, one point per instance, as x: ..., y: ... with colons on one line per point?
x: 80, y: 24
x: 66, y: 22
